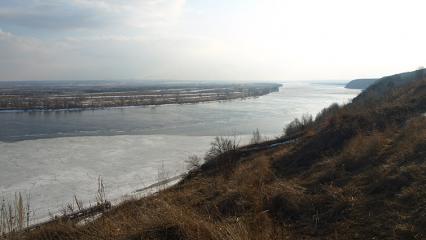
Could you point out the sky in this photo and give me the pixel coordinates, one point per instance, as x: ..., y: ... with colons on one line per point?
x: 272, y: 40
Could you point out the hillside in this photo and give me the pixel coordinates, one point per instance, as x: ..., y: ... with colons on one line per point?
x: 354, y: 172
x: 360, y: 83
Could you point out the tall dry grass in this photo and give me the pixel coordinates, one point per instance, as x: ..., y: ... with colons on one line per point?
x: 15, y: 215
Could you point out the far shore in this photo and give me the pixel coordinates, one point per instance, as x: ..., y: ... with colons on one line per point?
x: 22, y: 100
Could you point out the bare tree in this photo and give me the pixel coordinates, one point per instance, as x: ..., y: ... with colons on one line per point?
x: 193, y: 162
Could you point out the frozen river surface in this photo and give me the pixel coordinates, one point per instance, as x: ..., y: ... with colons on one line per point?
x: 53, y: 156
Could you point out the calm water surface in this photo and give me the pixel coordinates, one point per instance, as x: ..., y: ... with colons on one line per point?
x: 269, y: 113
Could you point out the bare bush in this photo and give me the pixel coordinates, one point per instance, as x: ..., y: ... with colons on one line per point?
x: 297, y: 126
x: 193, y: 162
x: 221, y: 145
x: 77, y: 205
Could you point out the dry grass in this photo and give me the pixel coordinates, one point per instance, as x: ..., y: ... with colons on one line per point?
x: 14, y: 216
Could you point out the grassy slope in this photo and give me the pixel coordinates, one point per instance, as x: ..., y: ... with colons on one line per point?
x: 358, y: 172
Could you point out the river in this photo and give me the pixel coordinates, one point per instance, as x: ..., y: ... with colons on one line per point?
x: 52, y: 156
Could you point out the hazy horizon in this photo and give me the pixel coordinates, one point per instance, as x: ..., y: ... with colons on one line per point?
x: 175, y: 40
x: 177, y: 81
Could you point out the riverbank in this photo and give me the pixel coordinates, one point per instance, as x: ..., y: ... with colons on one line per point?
x: 106, y: 96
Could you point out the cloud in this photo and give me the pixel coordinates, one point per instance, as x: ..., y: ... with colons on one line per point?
x: 77, y: 14
x: 27, y: 58
x: 54, y: 15
x: 82, y: 58
x: 176, y: 39
x: 107, y: 57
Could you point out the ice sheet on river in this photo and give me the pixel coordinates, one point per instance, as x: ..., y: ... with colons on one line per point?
x: 54, y: 170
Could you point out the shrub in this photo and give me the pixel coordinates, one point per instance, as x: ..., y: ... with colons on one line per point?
x: 327, y: 112
x: 193, y: 162
x: 298, y: 126
x: 221, y: 145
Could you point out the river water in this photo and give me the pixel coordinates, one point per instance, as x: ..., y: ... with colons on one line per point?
x: 52, y: 156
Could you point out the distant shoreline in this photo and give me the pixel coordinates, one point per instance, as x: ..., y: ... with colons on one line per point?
x: 75, y: 99
x: 124, y: 106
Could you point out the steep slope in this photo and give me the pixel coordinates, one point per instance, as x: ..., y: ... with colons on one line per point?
x: 360, y: 83
x: 356, y: 172
x: 385, y: 86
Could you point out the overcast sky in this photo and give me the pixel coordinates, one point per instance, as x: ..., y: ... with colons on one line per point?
x: 210, y: 39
